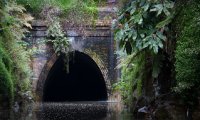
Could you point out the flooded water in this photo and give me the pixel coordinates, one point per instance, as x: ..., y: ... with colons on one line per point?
x: 72, y: 111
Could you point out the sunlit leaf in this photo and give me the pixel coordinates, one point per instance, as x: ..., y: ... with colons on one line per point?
x: 146, y: 7
x: 155, y: 49
x: 166, y: 11
x: 161, y: 35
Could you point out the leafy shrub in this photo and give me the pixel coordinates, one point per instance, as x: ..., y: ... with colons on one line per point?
x: 141, y: 30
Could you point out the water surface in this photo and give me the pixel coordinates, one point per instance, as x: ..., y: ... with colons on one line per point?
x: 71, y: 111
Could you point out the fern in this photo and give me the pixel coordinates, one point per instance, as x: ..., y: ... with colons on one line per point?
x: 14, y: 24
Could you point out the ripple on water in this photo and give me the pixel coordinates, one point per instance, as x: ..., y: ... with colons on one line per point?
x: 72, y: 111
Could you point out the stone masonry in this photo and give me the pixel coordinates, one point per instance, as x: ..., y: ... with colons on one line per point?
x: 98, y: 44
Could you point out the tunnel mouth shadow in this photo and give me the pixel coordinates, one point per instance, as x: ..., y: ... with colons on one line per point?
x: 83, y: 82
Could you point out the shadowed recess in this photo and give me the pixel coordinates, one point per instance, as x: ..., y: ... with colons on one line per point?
x: 83, y: 82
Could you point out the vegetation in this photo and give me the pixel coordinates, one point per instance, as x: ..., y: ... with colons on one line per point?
x: 7, y: 87
x: 141, y: 31
x: 131, y: 78
x: 73, y: 10
x: 36, y: 6
x: 145, y: 27
x: 14, y: 74
x: 59, y: 15
x: 188, y: 51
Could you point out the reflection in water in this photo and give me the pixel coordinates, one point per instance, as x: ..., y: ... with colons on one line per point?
x: 73, y: 111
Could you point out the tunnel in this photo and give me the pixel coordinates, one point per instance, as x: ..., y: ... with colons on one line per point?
x: 83, y: 82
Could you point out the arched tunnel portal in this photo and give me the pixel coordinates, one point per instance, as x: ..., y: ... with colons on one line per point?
x: 83, y: 82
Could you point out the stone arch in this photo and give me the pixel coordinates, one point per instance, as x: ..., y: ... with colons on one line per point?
x: 102, y: 67
x: 46, y: 69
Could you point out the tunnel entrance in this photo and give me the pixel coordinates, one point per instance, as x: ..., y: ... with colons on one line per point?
x: 83, y: 82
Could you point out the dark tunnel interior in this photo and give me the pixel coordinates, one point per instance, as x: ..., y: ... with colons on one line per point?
x: 83, y: 82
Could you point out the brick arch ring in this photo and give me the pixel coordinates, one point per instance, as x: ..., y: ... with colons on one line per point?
x: 49, y: 64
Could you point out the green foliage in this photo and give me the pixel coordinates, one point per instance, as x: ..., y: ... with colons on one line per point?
x: 131, y: 78
x: 80, y: 13
x: 70, y: 12
x: 60, y: 42
x: 6, y: 83
x: 142, y: 25
x: 140, y: 29
x: 57, y: 37
x: 14, y: 19
x: 32, y: 5
x: 187, y: 53
x: 15, y: 70
x: 37, y: 6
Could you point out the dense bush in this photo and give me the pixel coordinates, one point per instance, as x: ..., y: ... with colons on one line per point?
x: 187, y: 53
x: 14, y: 58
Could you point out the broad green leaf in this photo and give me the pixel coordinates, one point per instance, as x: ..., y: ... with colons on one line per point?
x: 133, y: 10
x: 164, y: 22
x: 169, y: 4
x: 167, y: 13
x: 160, y: 44
x: 142, y: 2
x: 142, y: 35
x: 161, y: 36
x: 159, y: 9
x: 146, y: 7
x: 153, y: 9
x: 134, y: 34
x: 126, y: 26
x: 129, y: 34
x: 137, y: 18
x: 140, y: 22
x: 145, y: 45
x: 155, y: 49
x: 119, y: 35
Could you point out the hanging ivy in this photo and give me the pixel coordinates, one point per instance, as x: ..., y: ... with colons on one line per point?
x: 60, y: 42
